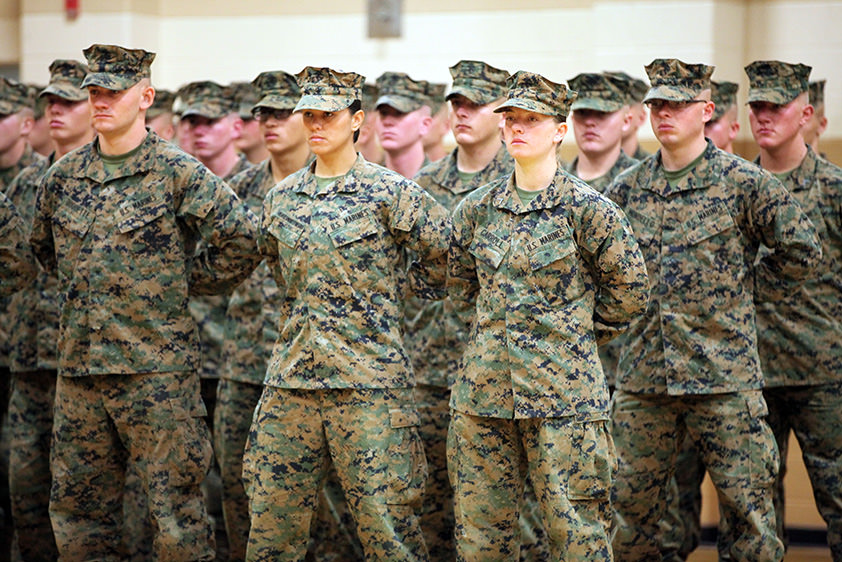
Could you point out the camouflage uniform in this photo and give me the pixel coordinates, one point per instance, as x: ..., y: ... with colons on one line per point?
x: 548, y: 281
x: 17, y: 267
x: 128, y: 393
x: 34, y: 328
x: 339, y: 385
x: 435, y: 337
x: 690, y: 365
x: 800, y: 335
x: 14, y: 97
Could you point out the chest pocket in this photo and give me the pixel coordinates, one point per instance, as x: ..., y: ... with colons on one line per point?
x: 488, y: 249
x: 709, y: 228
x: 556, y: 271
x: 77, y: 222
x: 352, y: 232
x: 71, y: 226
x: 152, y: 242
x: 135, y: 218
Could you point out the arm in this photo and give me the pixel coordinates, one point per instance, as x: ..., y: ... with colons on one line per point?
x: 228, y: 230
x: 462, y: 280
x: 17, y: 264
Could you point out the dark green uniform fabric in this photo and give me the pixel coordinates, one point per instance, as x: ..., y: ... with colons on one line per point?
x: 690, y: 364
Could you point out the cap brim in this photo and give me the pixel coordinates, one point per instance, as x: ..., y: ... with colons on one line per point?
x: 597, y: 104
x: 528, y: 105
x: 670, y: 93
x: 7, y: 107
x: 402, y: 104
x: 476, y: 96
x: 109, y: 81
x: 771, y: 95
x: 65, y: 91
x: 277, y: 102
x: 324, y: 103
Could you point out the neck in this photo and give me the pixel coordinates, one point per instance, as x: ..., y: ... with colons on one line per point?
x: 592, y: 165
x: 406, y: 162
x: 435, y: 152
x: 287, y: 162
x: 65, y: 147
x: 222, y: 164
x: 535, y: 175
x: 114, y: 145
x: 785, y: 157
x: 675, y: 158
x: 257, y: 154
x: 630, y: 145
x: 336, y: 163
x: 10, y: 157
x: 475, y: 157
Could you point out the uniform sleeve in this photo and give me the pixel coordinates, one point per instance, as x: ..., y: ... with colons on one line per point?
x: 794, y: 248
x: 17, y: 264
x: 41, y: 233
x: 268, y: 243
x: 422, y: 226
x: 618, y: 267
x: 462, y: 280
x: 227, y: 228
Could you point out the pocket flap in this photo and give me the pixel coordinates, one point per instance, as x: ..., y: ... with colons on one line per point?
x: 403, y: 418
x: 549, y: 253
x: 132, y: 218
x: 352, y: 232
x: 710, y: 227
x: 286, y: 235
x: 485, y: 248
x: 76, y: 222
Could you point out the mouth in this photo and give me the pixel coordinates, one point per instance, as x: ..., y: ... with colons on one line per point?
x: 56, y: 124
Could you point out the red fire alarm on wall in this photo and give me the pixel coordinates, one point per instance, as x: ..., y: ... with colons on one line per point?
x: 71, y: 9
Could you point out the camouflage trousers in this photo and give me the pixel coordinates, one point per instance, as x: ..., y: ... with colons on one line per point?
x: 570, y: 463
x: 437, y: 520
x: 31, y: 427
x: 235, y: 403
x: 105, y: 423
x: 814, y: 413
x: 735, y: 443
x: 370, y: 435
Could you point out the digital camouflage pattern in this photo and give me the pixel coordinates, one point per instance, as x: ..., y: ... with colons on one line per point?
x: 15, y: 96
x: 435, y: 337
x: 398, y: 90
x: 478, y: 81
x: 162, y: 104
x: 549, y: 282
x: 675, y: 80
x: 207, y: 99
x: 435, y: 96
x: 800, y: 344
x: 533, y: 92
x: 635, y: 88
x: 601, y: 183
x: 724, y: 97
x: 116, y: 68
x: 338, y: 257
x: 122, y: 246
x: 817, y: 92
x: 370, y: 436
x: 776, y: 82
x: 108, y: 424
x: 600, y: 92
x: 700, y: 239
x: 369, y: 99
x: 325, y: 89
x: 246, y: 94
x: 570, y: 461
x: 66, y: 78
x: 737, y: 447
x: 609, y: 352
x: 278, y: 90
x: 30, y: 424
x: 17, y: 265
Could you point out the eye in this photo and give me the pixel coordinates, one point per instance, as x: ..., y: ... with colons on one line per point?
x: 328, y: 114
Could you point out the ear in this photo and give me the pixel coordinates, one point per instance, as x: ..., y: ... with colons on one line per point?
x: 357, y: 120
x: 237, y: 127
x: 733, y: 130
x: 426, y: 125
x: 27, y: 122
x: 627, y: 121
x: 806, y: 114
x: 147, y: 96
x: 707, y: 111
x: 560, y: 132
x: 822, y: 125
